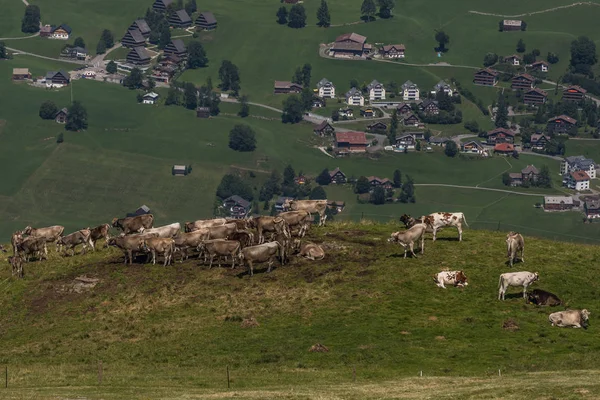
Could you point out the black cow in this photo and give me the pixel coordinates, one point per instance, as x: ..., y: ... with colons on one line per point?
x: 543, y: 298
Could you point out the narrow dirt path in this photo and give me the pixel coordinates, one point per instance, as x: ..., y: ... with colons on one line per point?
x: 581, y: 3
x: 481, y: 188
x: 17, y: 51
x: 96, y: 61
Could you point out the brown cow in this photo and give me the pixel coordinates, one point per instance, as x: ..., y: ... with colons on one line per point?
x: 100, y: 232
x: 189, y: 240
x: 129, y: 244
x: 312, y: 206
x: 246, y: 238
x: 50, y: 234
x: 73, y: 239
x: 515, y: 244
x: 203, y: 223
x: 219, y: 247
x: 31, y: 246
x: 16, y: 263
x: 2, y: 249
x: 133, y: 224
x: 269, y: 224
x: 221, y: 232
x: 297, y: 219
x: 242, y: 224
x: 408, y: 238
x: 311, y: 251
x: 261, y: 253
x: 159, y: 245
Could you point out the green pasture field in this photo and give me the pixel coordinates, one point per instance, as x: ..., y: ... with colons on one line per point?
x: 118, y: 54
x: 182, y: 326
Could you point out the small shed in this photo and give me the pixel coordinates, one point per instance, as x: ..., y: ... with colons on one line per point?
x: 202, y: 112
x: 179, y: 170
x: 144, y: 209
x: 150, y: 98
x: 20, y: 74
x: 61, y: 116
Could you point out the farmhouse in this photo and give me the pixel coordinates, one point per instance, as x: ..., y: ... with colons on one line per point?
x: 286, y: 87
x: 354, y: 97
x: 78, y: 53
x: 202, y: 112
x: 407, y: 141
x: 500, y: 135
x: 578, y: 180
x: 558, y: 203
x: 176, y: 48
x: 375, y: 181
x: 46, y: 31
x: 411, y: 120
x: 281, y: 202
x: 376, y: 91
x: 574, y: 93
x: 404, y: 108
x: 541, y: 66
x: 504, y: 148
x: 392, y: 51
x: 179, y: 170
x: 535, y: 96
x: 410, y: 91
x: 486, y: 77
x: 61, y: 116
x: 443, y: 85
x: 560, y: 124
x: 325, y: 89
x: 523, y: 81
x: 150, y: 98
x: 142, y: 26
x: 473, y: 147
x: 337, y: 176
x: 511, y: 25
x: 161, y: 5
x: 539, y: 141
x: 377, y: 127
x: 513, y: 59
x: 324, y: 129
x: 180, y: 19
x: 354, y: 142
x: 438, y: 141
x: 133, y: 38
x: 528, y: 174
x: 592, y: 208
x: 238, y: 207
x: 578, y: 163
x: 57, y: 79
x: 349, y: 45
x: 138, y: 56
x: 429, y: 107
x: 367, y: 112
x: 206, y: 21
x: 62, y: 32
x: 20, y: 74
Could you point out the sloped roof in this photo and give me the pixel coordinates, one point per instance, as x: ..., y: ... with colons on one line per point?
x: 323, y: 82
x: 354, y: 37
x: 373, y: 83
x: 66, y: 27
x: 504, y: 147
x: 351, y: 137
x: 565, y: 118
x: 504, y: 131
x: 239, y: 200
x: 179, y: 45
x: 142, y: 25
x: 208, y: 17
x: 322, y: 125
x: 141, y: 52
x: 580, y: 176
x: 530, y: 168
x: 183, y: 16
x: 538, y: 91
x: 136, y: 35
x: 558, y: 200
x: 389, y: 47
x: 525, y: 76
x: 20, y: 71
x: 353, y: 92
x: 575, y: 88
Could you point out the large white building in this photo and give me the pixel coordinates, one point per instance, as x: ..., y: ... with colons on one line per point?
x: 355, y: 98
x: 443, y: 85
x: 325, y: 89
x: 410, y: 91
x: 376, y: 91
x: 578, y: 180
x: 578, y: 163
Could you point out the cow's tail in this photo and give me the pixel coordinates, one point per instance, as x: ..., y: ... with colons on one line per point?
x: 464, y: 219
x: 500, y: 282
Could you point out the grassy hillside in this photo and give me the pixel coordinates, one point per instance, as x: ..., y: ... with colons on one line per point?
x: 180, y: 326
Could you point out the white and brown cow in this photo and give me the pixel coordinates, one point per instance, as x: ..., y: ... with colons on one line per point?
x: 440, y: 220
x: 309, y: 250
x: 72, y: 240
x: 203, y: 223
x: 166, y: 231
x: 514, y: 244
x: 100, y: 232
x: 134, y: 224
x: 454, y: 278
x: 574, y: 318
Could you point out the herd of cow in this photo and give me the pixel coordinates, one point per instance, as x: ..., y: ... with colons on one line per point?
x: 264, y: 239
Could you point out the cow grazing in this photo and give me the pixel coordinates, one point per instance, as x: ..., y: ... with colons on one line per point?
x: 574, y: 318
x: 454, y: 278
x: 312, y: 206
x: 159, y: 245
x: 189, y: 240
x: 514, y: 244
x: 523, y: 278
x: 219, y: 247
x: 240, y: 223
x: 443, y: 219
x: 16, y: 262
x: 542, y: 298
x: 264, y: 224
x: 74, y: 239
x: 297, y: 219
x: 133, y: 224
x: 166, y: 231
x: 129, y: 244
x: 408, y: 238
x: 311, y: 251
x: 222, y: 231
x: 31, y: 246
x: 266, y: 252
x: 246, y: 238
x: 100, y: 232
x: 203, y: 223
x: 49, y: 234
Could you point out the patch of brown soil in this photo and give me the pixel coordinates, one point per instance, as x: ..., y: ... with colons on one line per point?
x: 404, y: 332
x: 318, y: 348
x: 433, y: 318
x: 510, y: 325
x: 249, y: 323
x: 440, y: 338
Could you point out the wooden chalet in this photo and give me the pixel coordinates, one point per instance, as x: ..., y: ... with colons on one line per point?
x: 530, y: 174
x: 237, y: 206
x: 535, y: 96
x: 558, y: 203
x: 138, y: 56
x: 574, y: 93
x: 511, y: 25
x: 142, y: 26
x: 592, y: 208
x: 500, y: 135
x: 62, y: 32
x: 150, y: 98
x: 350, y: 45
x: 504, y: 148
x: 523, y: 81
x: 392, y: 51
x: 180, y: 19
x: 429, y: 107
x: 202, y: 112
x: 377, y: 127
x: 20, y: 74
x: 176, y: 48
x: 375, y: 181
x: 406, y: 140
x: 324, y: 129
x: 346, y: 112
x: 352, y: 142
x: 75, y: 53
x: 46, y: 31
x: 206, y: 21
x: 179, y: 170
x: 404, y: 108
x: 318, y: 102
x: 367, y: 112
x: 161, y: 5
x: 437, y: 141
x: 486, y: 77
x: 411, y: 120
x: 61, y: 116
x: 472, y: 147
x: 286, y: 87
x: 133, y: 38
x: 337, y: 176
x: 560, y: 124
x: 513, y: 60
x: 541, y: 66
x: 57, y: 78
x: 539, y: 141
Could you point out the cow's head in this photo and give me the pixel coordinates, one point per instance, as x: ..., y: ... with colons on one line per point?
x: 511, y: 234
x: 112, y: 241
x: 535, y: 277
x: 585, y: 314
x: 252, y: 223
x: 532, y: 298
x: 393, y: 237
x: 27, y: 230
x: 461, y: 278
x: 428, y: 220
x: 406, y: 219
x: 115, y: 222
x: 60, y: 240
x: 2, y: 249
x: 144, y: 246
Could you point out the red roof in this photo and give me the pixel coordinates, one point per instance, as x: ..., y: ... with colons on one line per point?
x: 504, y: 147
x: 580, y: 176
x: 353, y: 37
x: 351, y: 138
x: 575, y: 89
x: 488, y: 71
x: 504, y: 131
x: 541, y: 62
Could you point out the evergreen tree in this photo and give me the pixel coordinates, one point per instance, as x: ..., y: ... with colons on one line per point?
x: 77, y: 117
x: 292, y: 110
x: 282, y: 15
x: 242, y: 138
x: 297, y: 16
x: 407, y: 194
x: 173, y: 97
x: 48, y: 110
x: 368, y: 9
x: 244, y: 107
x: 298, y: 76
x: 289, y: 175
x: 378, y: 196
x: 196, y: 55
x: 323, y: 17
x: 393, y: 127
x: 134, y: 80
x: 3, y: 52
x: 111, y: 67
x: 521, y: 46
x: 501, y: 120
x: 583, y: 55
x: 208, y: 98
x: 362, y: 185
x: 79, y: 42
x: 230, y: 76
x: 443, y: 39
x: 506, y: 179
x: 233, y: 184
x: 397, y: 178
x: 544, y: 178
x: 306, y: 97
x: 108, y: 38
x: 165, y: 37
x: 191, y: 7
x: 318, y: 193
x: 306, y: 72
x: 324, y: 178
x: 451, y: 149
x: 190, y: 95
x: 60, y: 138
x: 100, y: 47
x: 31, y: 20
x: 385, y: 8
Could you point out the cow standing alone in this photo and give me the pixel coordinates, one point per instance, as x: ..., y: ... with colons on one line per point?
x: 514, y: 244
x: 523, y: 278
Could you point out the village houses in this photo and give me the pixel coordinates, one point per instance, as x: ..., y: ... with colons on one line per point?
x: 523, y: 81
x: 535, y: 96
x: 337, y: 176
x: 206, y: 21
x: 285, y: 87
x: 578, y: 180
x: 500, y: 135
x: 511, y: 25
x: 529, y: 174
x: 324, y: 129
x: 513, y: 60
x: 559, y: 203
x: 486, y: 77
x: 539, y: 141
x: 578, y: 163
x: 376, y: 91
x: 574, y: 93
x: 540, y: 66
x: 150, y: 98
x: 350, y: 45
x: 57, y: 79
x: 392, y: 51
x: 325, y: 89
x: 410, y: 91
x: 443, y: 85
x: 354, y: 97
x: 592, y: 208
x: 473, y: 147
x: 561, y: 124
x: 350, y: 142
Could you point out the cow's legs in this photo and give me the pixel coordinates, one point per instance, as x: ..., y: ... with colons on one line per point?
x: 405, y: 249
x: 412, y: 249
x: 212, y: 256
x: 250, y: 267
x: 459, y: 233
x: 434, y: 233
x: 423, y: 243
x: 270, y: 264
x: 522, y: 255
x: 524, y: 291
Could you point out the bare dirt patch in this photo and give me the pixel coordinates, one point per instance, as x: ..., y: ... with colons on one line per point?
x: 510, y: 325
x: 433, y: 318
x: 318, y: 348
x: 440, y: 338
x: 249, y: 323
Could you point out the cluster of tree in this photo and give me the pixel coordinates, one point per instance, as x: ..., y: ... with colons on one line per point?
x: 293, y: 108
x: 302, y: 75
x: 111, y: 67
x: 443, y: 118
x: 77, y: 118
x: 234, y: 185
x: 323, y: 16
x: 543, y: 180
x: 531, y: 57
x: 3, y: 52
x: 160, y: 33
x: 295, y: 18
x: 48, y: 110
x: 379, y: 195
x: 31, y: 20
x: 107, y: 40
x: 196, y: 55
x: 368, y: 9
x: 244, y: 107
x: 552, y: 58
x: 589, y: 84
x: 393, y: 128
x: 229, y: 75
x: 490, y: 59
x: 451, y: 148
x: 583, y: 56
x: 472, y: 126
x: 242, y: 138
x: 135, y: 79
x: 501, y: 25
x: 555, y: 146
x: 585, y: 112
x: 470, y: 96
x: 442, y: 39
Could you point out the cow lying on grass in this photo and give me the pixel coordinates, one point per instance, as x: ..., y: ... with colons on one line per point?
x: 454, y: 278
x: 574, y: 318
x: 542, y: 298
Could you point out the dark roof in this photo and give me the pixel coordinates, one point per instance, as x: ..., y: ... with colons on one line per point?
x: 322, y: 125
x: 335, y: 171
x: 63, y: 111
x: 354, y: 37
x: 141, y: 52
x: 136, y: 35
x: 503, y: 131
x: 80, y: 49
x: 426, y: 103
x: 389, y: 47
x: 166, y: 3
x: 52, y: 74
x: 526, y: 77
x: 530, y: 168
x: 179, y: 45
x: 576, y: 88
x: 208, y: 17
x: 565, y: 118
x: 285, y: 85
x: 183, y: 16
x: 487, y: 70
x: 538, y: 91
x: 475, y: 142
x: 66, y: 27
x: 238, y: 200
x: 142, y: 25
